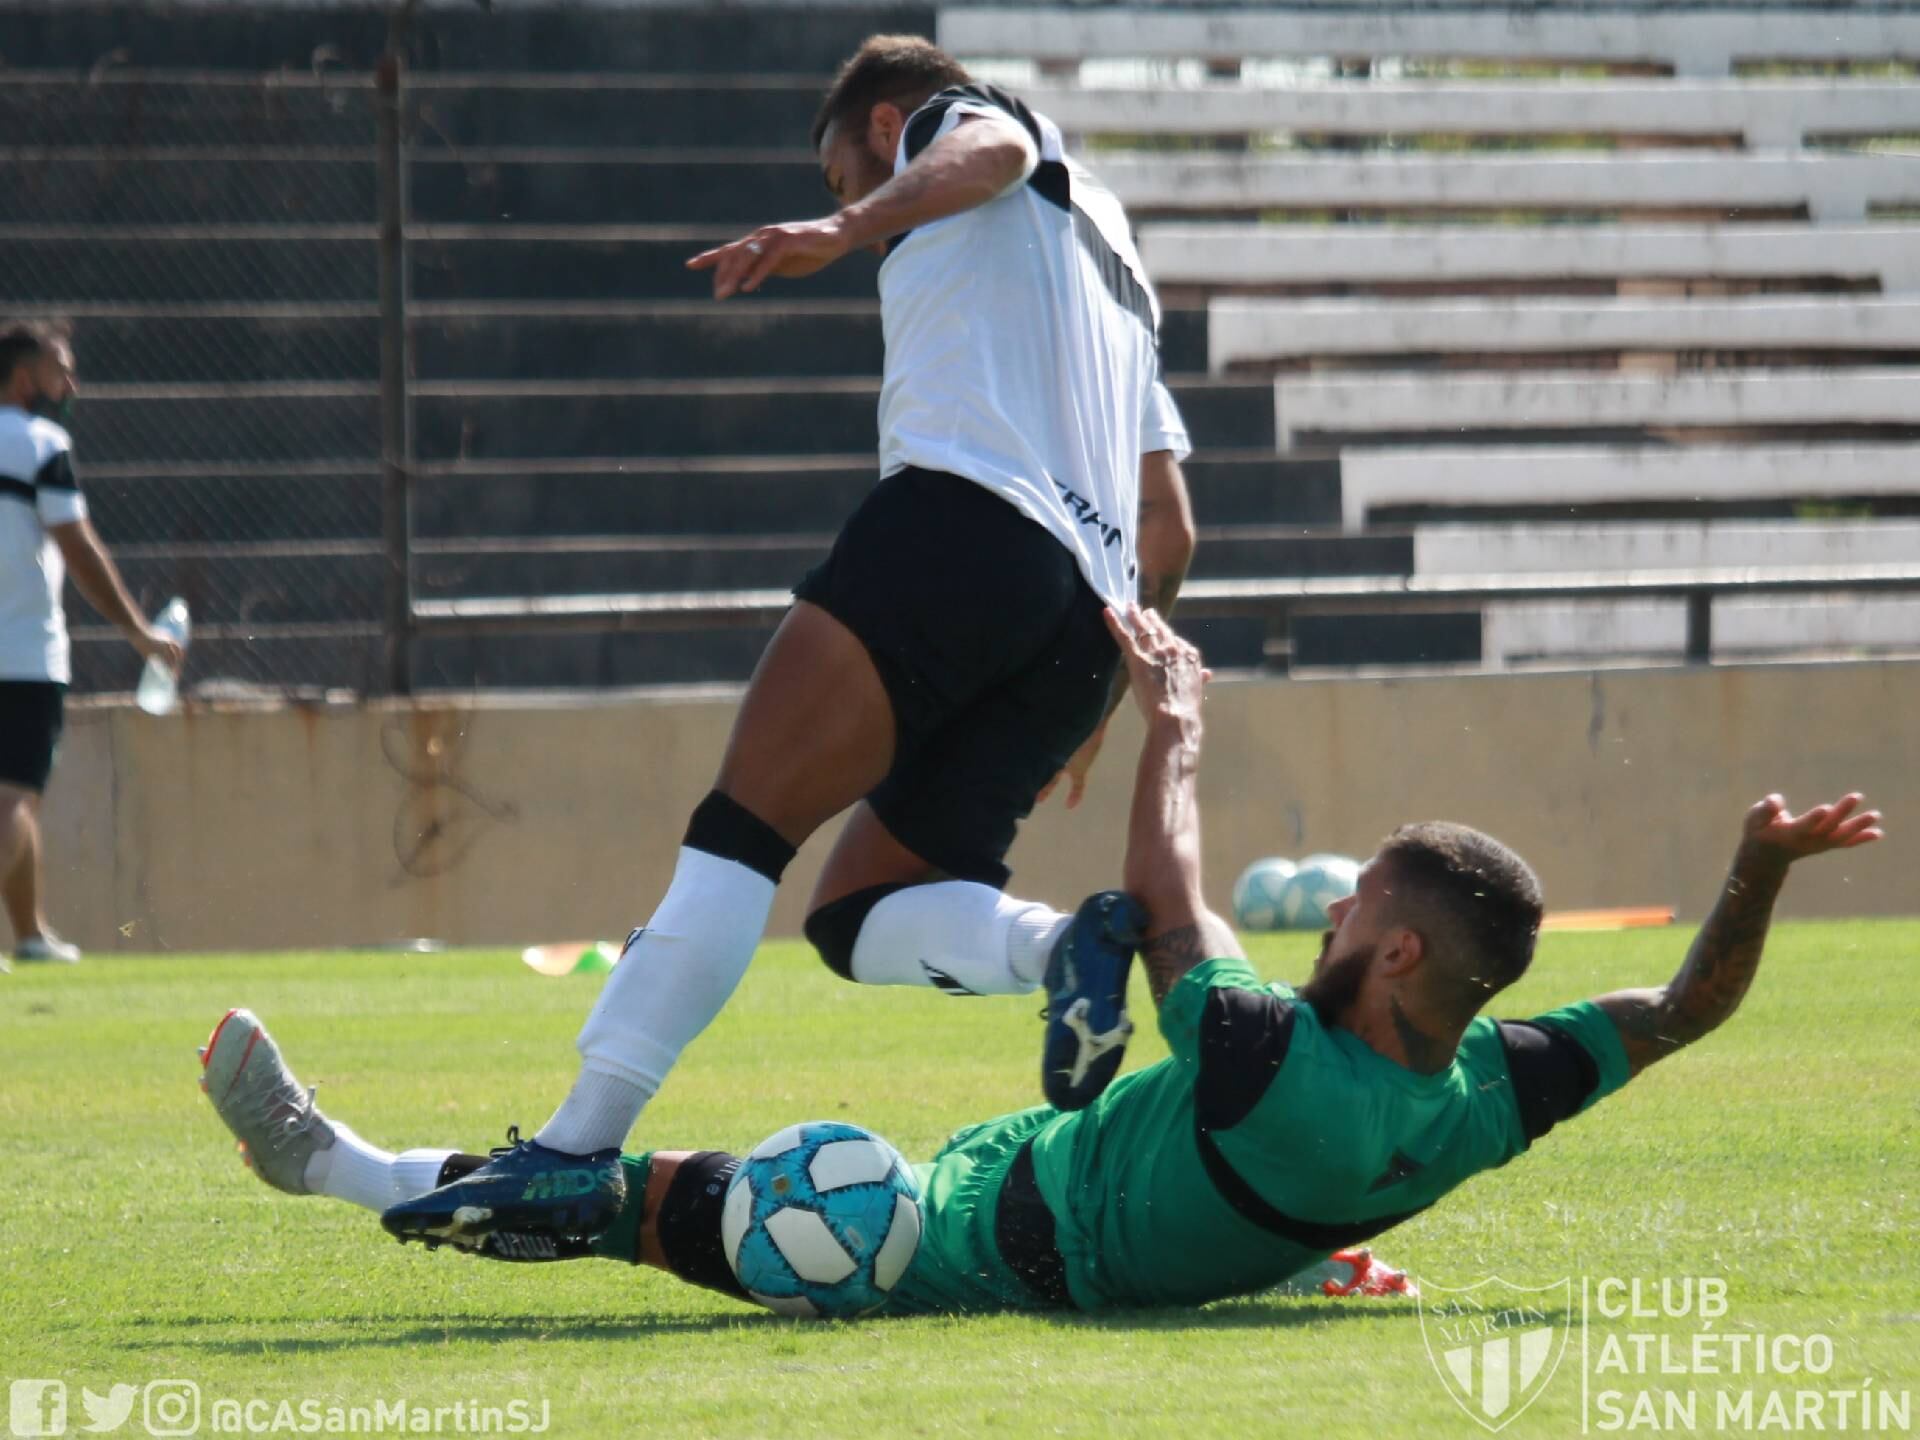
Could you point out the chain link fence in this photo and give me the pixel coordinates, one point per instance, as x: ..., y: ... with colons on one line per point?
x: 214, y: 241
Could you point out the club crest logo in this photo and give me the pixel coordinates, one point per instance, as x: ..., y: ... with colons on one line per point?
x: 1494, y: 1344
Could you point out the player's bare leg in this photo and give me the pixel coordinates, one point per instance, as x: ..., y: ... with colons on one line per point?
x: 20, y: 879
x: 815, y: 732
x: 19, y: 853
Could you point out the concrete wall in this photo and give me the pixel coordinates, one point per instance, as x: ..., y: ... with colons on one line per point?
x: 493, y: 823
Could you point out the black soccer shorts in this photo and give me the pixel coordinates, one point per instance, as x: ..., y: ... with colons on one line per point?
x: 32, y: 715
x: 992, y: 648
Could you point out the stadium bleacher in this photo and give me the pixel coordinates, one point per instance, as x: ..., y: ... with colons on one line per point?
x: 1484, y: 264
x: 1606, y: 264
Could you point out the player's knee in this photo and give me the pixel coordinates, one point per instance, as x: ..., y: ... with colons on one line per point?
x: 833, y: 929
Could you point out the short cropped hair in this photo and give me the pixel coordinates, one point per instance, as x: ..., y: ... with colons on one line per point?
x: 897, y: 69
x: 1476, y: 903
x: 22, y: 341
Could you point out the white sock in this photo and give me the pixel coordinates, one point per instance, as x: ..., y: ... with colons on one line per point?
x: 958, y: 936
x: 667, y: 988
x: 415, y: 1172
x: 365, y: 1175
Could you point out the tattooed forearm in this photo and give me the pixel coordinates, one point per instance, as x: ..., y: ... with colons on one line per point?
x: 1719, y: 967
x: 1172, y: 953
x: 1168, y: 956
x: 1158, y: 590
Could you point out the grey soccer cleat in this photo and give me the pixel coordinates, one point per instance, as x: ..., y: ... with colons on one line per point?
x: 269, y: 1112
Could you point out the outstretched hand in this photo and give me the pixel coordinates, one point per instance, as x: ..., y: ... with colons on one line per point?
x: 793, y: 250
x: 1770, y: 829
x: 1164, y: 672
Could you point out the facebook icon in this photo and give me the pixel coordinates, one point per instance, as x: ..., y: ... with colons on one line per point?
x: 37, y: 1407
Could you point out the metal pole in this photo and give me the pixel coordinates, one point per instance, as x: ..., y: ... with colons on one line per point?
x: 1699, y: 627
x: 395, y: 433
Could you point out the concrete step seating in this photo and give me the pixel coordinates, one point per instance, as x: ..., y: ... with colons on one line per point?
x: 1430, y: 403
x: 1458, y: 478
x: 1827, y: 187
x: 584, y: 420
x: 1759, y: 113
x: 1516, y: 632
x: 1249, y: 332
x: 1240, y: 257
x: 1509, y: 549
x: 1692, y: 43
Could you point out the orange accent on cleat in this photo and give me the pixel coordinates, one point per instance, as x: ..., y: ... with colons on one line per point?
x: 214, y: 1039
x: 1370, y: 1276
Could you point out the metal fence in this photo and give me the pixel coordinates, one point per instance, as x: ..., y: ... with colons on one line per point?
x: 216, y: 242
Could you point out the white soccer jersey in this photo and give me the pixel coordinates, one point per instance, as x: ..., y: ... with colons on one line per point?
x: 38, y: 489
x: 1022, y: 346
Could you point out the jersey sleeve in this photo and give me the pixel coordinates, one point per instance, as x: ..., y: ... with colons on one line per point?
x: 944, y: 112
x: 56, y: 489
x: 1186, y: 1003
x: 1562, y: 1063
x: 1161, y: 425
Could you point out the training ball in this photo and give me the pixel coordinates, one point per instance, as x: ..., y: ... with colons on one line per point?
x: 821, y: 1220
x: 1320, y: 881
x: 1256, y: 894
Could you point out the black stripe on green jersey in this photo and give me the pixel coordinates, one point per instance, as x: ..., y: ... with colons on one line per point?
x: 1244, y: 1036
x: 1553, y: 1074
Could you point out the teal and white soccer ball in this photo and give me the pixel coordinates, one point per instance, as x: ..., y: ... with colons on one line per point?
x: 821, y: 1220
x: 1318, y: 883
x: 1257, y: 893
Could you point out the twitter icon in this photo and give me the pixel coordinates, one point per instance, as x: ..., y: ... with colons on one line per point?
x: 109, y: 1411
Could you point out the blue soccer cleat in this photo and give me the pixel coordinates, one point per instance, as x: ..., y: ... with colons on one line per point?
x: 525, y: 1190
x: 1086, y: 985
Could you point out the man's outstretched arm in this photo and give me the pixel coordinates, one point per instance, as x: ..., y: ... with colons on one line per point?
x: 1162, y: 868
x: 977, y: 161
x: 1726, y: 953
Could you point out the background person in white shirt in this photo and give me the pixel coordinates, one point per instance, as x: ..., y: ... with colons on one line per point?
x: 44, y: 536
x: 950, y: 659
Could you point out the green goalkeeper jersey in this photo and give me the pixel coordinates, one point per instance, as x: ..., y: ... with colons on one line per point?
x: 1268, y: 1140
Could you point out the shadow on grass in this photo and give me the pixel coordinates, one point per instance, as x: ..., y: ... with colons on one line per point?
x: 415, y: 1331
x: 1255, y: 1314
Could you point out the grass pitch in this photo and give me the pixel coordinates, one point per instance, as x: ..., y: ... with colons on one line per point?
x: 1780, y: 1155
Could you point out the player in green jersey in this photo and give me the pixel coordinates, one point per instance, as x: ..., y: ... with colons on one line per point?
x: 1287, y: 1124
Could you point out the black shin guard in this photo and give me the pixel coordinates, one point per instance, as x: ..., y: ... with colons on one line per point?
x: 834, y: 927
x: 689, y: 1222
x: 724, y: 827
x: 458, y: 1167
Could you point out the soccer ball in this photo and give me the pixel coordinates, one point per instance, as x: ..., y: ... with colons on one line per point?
x: 1320, y: 881
x: 1256, y: 894
x: 821, y: 1220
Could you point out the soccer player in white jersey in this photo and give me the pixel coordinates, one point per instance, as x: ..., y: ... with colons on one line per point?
x: 44, y: 536
x: 949, y: 661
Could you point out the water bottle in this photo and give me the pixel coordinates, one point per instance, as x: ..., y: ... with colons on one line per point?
x: 159, y: 691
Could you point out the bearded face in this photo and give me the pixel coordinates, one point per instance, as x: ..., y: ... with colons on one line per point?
x: 1336, y: 980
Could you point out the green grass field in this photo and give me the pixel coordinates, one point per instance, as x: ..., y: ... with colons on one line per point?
x: 1781, y: 1155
